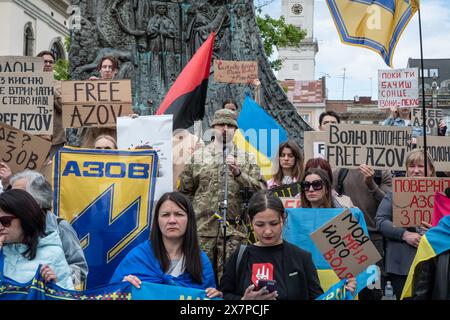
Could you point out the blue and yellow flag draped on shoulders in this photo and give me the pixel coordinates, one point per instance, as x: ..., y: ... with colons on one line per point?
x: 434, y: 242
x: 301, y: 222
x: 37, y: 289
x: 373, y: 24
x: 107, y: 196
x: 259, y: 134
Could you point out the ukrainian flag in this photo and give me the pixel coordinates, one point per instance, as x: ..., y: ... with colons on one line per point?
x: 259, y: 134
x: 434, y: 242
x: 373, y: 24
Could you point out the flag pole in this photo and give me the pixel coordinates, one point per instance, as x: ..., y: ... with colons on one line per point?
x: 425, y: 158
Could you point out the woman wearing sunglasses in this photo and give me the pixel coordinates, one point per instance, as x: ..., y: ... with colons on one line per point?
x: 339, y: 200
x: 271, y: 268
x: 25, y: 245
x: 316, y: 190
x: 290, y: 165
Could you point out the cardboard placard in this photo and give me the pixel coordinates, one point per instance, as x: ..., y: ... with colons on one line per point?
x: 345, y: 246
x: 235, y: 71
x: 413, y: 199
x: 26, y: 94
x: 433, y: 116
x: 290, y: 203
x: 382, y: 147
x: 20, y: 150
x: 96, y: 103
x: 398, y: 88
x: 287, y: 190
x: 314, y: 144
x: 439, y: 149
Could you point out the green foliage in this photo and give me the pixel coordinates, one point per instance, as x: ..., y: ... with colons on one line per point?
x: 275, y: 33
x: 61, y: 68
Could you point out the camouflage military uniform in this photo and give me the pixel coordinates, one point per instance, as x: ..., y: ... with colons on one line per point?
x: 202, y: 180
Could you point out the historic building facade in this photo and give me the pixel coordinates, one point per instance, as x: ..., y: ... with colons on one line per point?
x: 30, y: 26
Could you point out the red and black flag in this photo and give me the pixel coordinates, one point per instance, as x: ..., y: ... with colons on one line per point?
x: 186, y: 98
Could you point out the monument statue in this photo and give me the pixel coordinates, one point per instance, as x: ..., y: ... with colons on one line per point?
x: 154, y: 40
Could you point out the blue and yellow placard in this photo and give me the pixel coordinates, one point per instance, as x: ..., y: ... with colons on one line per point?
x: 107, y: 196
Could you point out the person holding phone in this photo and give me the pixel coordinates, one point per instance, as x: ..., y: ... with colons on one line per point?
x: 271, y: 268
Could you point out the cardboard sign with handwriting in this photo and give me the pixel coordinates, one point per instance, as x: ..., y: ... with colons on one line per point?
x: 439, y: 149
x: 345, y: 245
x: 413, y: 199
x: 20, y: 150
x: 314, y: 144
x: 26, y: 94
x: 433, y: 116
x: 398, y: 88
x: 96, y: 103
x: 235, y: 71
x: 382, y: 147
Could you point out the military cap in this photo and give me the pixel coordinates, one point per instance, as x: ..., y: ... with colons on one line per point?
x: 224, y: 116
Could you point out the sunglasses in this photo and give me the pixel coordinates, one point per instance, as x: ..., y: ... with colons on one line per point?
x: 6, y: 221
x: 316, y: 184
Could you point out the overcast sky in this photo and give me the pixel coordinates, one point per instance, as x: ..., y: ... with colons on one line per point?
x: 362, y: 64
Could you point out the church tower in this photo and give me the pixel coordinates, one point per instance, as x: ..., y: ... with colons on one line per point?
x: 299, y: 62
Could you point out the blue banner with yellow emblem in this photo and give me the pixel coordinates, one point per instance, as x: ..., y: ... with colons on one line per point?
x: 107, y: 196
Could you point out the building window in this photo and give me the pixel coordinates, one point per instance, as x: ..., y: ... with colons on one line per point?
x: 434, y: 73
x: 306, y: 117
x: 28, y: 40
x: 425, y: 72
x: 295, y: 67
x: 58, y: 50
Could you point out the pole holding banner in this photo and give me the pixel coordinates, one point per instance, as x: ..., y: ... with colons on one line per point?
x: 424, y: 115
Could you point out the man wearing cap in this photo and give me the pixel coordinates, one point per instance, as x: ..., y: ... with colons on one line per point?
x: 203, y: 181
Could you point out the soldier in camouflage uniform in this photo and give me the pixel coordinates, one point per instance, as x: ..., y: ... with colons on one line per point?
x: 202, y: 180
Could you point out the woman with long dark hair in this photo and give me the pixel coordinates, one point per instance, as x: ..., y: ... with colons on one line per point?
x: 271, y: 268
x: 172, y: 255
x: 290, y: 165
x: 316, y: 189
x: 24, y: 243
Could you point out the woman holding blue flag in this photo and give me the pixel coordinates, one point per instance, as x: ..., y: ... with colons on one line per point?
x: 271, y: 268
x: 24, y: 244
x: 172, y: 256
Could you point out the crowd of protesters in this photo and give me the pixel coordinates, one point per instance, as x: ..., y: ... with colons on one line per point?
x: 186, y: 241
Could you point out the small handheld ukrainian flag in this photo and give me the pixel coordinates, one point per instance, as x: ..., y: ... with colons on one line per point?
x: 259, y: 134
x: 373, y: 24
